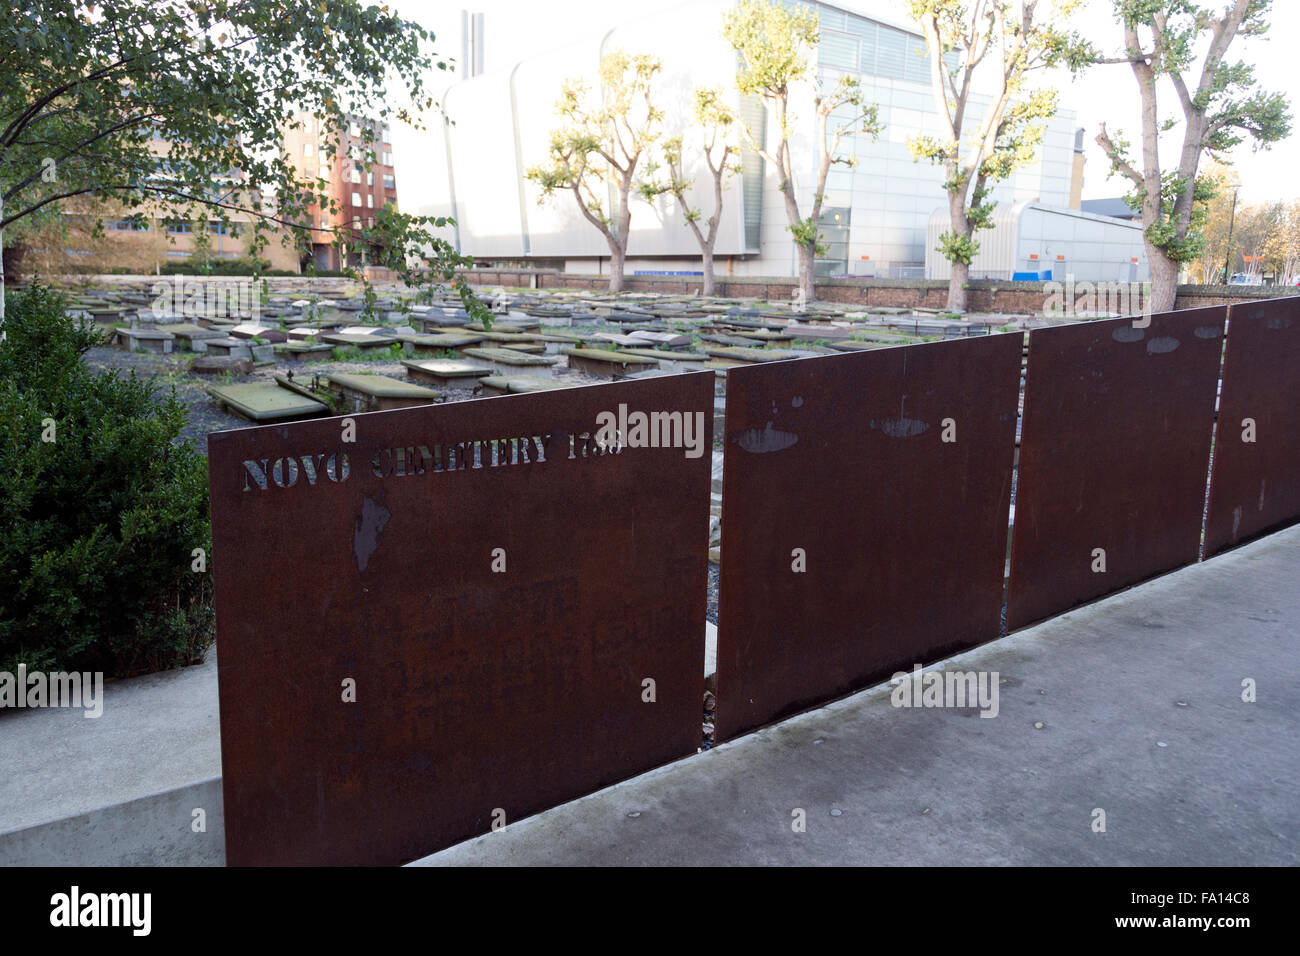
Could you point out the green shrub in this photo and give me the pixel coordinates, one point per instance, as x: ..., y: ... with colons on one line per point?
x: 222, y: 267
x: 97, y: 526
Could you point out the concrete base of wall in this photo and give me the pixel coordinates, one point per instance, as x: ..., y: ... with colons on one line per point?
x: 157, y: 830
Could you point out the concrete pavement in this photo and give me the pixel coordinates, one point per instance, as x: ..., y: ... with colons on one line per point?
x: 1132, y: 706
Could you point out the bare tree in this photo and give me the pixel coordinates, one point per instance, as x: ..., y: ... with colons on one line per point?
x: 718, y: 122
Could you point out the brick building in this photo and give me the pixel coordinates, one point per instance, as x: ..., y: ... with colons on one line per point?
x: 358, y: 191
x: 141, y: 241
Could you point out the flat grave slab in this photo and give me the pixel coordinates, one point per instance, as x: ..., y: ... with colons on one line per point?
x: 227, y: 346
x: 732, y: 341
x: 668, y: 339
x: 265, y: 402
x: 518, y: 385
x: 220, y: 364
x: 617, y: 339
x: 509, y: 357
x: 431, y: 323
x: 663, y: 355
x: 251, y: 330
x: 738, y: 356
x: 436, y: 341
x: 504, y: 338
x: 445, y: 372
x: 379, y: 392
x: 725, y: 325
x: 854, y: 345
x: 300, y: 351
x: 388, y: 331
x: 607, y: 362
x: 763, y: 335
x: 144, y: 340
x: 814, y: 332
x: 359, y: 341
x: 189, y: 334
x: 526, y: 324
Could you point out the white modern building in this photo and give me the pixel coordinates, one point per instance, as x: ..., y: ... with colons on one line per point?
x: 875, y: 216
x: 1031, y: 240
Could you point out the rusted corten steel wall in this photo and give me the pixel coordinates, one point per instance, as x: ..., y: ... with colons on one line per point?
x: 1255, y: 480
x: 1114, y: 456
x: 865, y: 501
x: 489, y: 684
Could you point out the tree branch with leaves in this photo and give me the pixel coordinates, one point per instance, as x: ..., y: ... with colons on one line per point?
x: 178, y: 108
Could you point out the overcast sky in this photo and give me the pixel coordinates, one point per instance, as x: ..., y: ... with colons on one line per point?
x: 519, y: 29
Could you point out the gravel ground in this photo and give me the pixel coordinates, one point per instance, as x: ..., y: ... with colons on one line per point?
x: 711, y: 612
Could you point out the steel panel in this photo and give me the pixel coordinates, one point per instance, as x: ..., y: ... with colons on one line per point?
x: 1114, y: 455
x: 904, y: 534
x: 1255, y: 486
x: 475, y: 690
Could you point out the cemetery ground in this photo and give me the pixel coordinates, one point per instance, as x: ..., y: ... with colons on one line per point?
x: 570, y: 339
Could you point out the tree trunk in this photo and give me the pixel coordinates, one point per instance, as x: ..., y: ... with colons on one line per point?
x: 957, y: 287
x: 2, y: 268
x: 708, y: 273
x: 1164, y: 279
x: 616, y: 257
x: 807, y: 272
x: 960, y: 223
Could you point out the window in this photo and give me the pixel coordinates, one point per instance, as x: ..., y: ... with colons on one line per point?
x: 308, y: 149
x: 370, y: 200
x: 355, y: 129
x: 356, y: 175
x: 388, y: 158
x: 891, y: 53
x: 128, y: 225
x: 389, y: 182
x: 356, y: 198
x: 839, y: 51
x: 180, y: 227
x: 177, y: 254
x: 370, y: 179
x: 224, y: 229
x: 917, y: 65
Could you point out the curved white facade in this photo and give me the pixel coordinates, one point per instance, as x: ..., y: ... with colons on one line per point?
x: 498, y: 125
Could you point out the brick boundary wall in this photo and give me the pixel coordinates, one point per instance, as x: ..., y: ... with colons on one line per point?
x: 986, y: 295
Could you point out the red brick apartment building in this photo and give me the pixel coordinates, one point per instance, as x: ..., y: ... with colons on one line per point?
x: 359, y: 193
